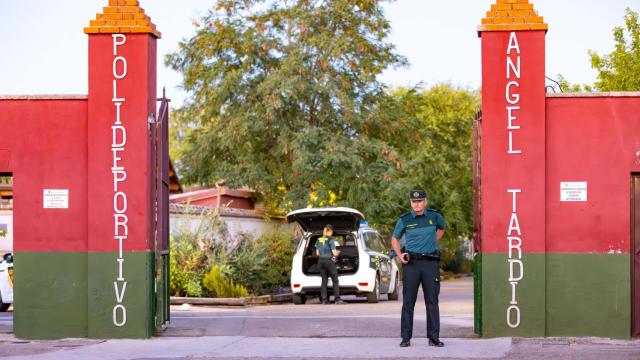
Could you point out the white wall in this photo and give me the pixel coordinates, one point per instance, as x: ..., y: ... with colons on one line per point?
x: 235, y: 224
x: 6, y: 243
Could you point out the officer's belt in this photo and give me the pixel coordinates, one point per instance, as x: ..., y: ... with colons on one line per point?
x: 424, y: 256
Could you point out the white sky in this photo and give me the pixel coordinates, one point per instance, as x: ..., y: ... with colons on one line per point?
x: 45, y: 50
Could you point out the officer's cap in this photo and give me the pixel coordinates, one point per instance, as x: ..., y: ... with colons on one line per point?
x: 417, y: 194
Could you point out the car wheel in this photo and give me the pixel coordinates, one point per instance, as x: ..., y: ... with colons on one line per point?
x: 373, y: 296
x: 299, y: 299
x: 3, y: 307
x: 396, y: 289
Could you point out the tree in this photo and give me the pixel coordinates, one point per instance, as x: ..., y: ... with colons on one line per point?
x: 284, y: 99
x: 565, y: 86
x: 437, y: 153
x: 620, y: 70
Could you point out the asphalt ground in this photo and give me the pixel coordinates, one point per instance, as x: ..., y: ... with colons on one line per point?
x: 357, y: 330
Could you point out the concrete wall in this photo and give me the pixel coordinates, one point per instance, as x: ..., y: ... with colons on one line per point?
x: 237, y: 221
x: 593, y: 139
x: 45, y: 147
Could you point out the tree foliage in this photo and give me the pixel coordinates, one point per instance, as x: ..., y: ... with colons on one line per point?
x: 284, y: 98
x: 620, y: 70
x: 436, y: 146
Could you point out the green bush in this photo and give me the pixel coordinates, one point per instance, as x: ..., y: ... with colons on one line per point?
x: 220, y: 286
x: 193, y: 250
x: 185, y: 262
x: 206, y: 261
x: 247, y: 264
x: 279, y: 248
x: 264, y: 265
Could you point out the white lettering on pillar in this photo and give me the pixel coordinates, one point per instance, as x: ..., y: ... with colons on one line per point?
x: 123, y: 73
x: 513, y: 43
x: 511, y: 92
x: 516, y: 266
x: 119, y: 172
x: 118, y: 40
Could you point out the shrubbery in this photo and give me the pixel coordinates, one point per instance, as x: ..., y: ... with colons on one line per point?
x: 220, y: 286
x: 206, y: 261
x: 264, y: 264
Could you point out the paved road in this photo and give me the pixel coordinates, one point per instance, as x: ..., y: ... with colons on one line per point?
x: 357, y: 330
x: 355, y: 319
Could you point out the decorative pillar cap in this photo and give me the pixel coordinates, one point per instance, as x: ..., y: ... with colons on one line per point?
x: 511, y: 15
x: 122, y: 17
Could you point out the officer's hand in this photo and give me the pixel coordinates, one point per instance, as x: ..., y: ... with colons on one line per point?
x: 404, y: 258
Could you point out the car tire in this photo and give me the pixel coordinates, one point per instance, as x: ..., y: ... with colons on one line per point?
x: 374, y: 296
x: 299, y: 299
x: 396, y: 290
x: 3, y: 307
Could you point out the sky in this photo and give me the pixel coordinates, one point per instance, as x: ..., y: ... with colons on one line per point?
x: 45, y: 49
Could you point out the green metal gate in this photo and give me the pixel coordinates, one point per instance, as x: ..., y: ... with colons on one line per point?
x: 160, y: 157
x: 477, y: 223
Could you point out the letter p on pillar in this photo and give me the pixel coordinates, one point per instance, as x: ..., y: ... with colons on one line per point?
x: 118, y: 39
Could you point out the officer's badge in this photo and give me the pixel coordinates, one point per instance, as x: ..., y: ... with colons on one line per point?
x: 430, y: 222
x: 416, y: 194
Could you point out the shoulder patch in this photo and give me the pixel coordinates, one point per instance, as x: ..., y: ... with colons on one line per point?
x: 405, y: 215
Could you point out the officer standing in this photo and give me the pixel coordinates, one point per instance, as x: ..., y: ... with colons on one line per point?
x: 422, y: 228
x: 326, y: 251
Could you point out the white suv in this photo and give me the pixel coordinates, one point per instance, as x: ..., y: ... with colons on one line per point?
x: 363, y: 267
x: 6, y: 281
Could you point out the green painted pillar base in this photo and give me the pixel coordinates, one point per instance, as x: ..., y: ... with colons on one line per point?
x: 589, y: 295
x: 50, y: 295
x: 477, y: 293
x: 505, y: 313
x: 122, y: 312
x: 72, y: 294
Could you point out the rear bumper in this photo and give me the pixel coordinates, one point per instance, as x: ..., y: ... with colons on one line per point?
x: 344, y: 290
x: 352, y: 284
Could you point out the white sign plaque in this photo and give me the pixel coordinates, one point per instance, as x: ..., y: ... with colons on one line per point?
x: 55, y: 199
x: 573, y: 191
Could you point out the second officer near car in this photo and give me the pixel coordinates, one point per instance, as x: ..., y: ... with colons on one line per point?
x: 422, y: 229
x: 326, y: 251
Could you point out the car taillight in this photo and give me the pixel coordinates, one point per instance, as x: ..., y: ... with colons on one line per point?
x: 11, y: 277
x: 363, y: 284
x: 296, y: 285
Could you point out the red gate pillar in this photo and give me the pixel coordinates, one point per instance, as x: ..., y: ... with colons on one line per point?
x: 513, y: 170
x: 121, y: 104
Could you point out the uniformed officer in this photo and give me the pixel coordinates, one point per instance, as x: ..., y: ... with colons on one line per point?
x: 326, y: 251
x: 422, y: 228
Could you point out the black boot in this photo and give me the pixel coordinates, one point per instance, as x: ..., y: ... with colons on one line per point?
x: 436, y: 343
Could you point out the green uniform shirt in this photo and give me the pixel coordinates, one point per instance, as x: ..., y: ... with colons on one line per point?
x: 419, y: 230
x: 324, y: 246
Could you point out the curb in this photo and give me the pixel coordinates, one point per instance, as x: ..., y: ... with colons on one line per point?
x: 242, y: 301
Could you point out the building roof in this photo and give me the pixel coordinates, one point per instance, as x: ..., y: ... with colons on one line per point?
x: 122, y: 17
x: 511, y: 15
x: 200, y: 194
x: 224, y: 211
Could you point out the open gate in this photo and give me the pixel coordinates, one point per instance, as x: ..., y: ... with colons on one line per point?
x: 159, y: 132
x: 477, y: 224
